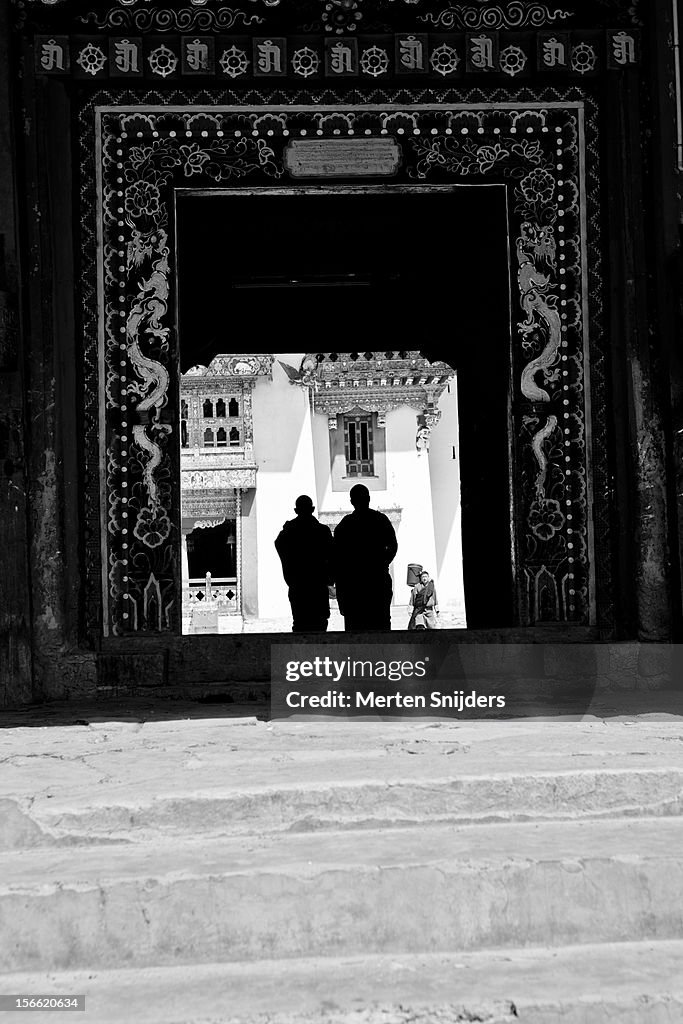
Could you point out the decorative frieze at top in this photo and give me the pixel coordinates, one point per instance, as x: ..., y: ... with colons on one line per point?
x: 373, y: 58
x: 329, y: 17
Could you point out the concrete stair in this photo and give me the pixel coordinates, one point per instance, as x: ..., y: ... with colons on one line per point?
x: 465, y: 875
x: 343, y: 806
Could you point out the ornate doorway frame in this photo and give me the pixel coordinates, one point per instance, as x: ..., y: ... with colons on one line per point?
x: 137, y: 148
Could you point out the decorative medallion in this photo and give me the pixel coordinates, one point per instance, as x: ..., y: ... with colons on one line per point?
x: 305, y: 62
x: 341, y: 16
x: 584, y: 58
x: 234, y: 62
x: 91, y: 59
x: 512, y: 60
x: 374, y: 61
x: 444, y: 59
x: 162, y: 61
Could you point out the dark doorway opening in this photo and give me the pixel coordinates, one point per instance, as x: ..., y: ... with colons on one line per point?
x: 212, y: 550
x: 360, y: 270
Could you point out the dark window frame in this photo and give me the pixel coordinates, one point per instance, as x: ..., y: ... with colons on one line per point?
x: 359, y: 444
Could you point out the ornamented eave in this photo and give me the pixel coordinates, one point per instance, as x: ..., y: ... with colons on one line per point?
x: 330, y: 364
x: 239, y: 368
x: 372, y: 381
x: 335, y: 402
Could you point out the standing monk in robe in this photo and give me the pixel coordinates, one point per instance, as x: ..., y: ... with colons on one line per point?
x: 305, y: 549
x: 364, y: 548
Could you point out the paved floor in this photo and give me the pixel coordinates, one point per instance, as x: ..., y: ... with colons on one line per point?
x: 449, y: 618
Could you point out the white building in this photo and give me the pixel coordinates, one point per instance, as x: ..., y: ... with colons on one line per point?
x: 258, y: 430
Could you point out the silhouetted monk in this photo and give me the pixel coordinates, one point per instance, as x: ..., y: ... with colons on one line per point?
x: 305, y: 549
x: 364, y: 547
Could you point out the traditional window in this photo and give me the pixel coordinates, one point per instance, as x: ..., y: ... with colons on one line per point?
x: 220, y: 407
x: 208, y: 409
x: 208, y: 438
x: 233, y: 407
x: 183, y: 434
x: 221, y: 437
x: 234, y: 436
x: 359, y: 446
x: 183, y: 409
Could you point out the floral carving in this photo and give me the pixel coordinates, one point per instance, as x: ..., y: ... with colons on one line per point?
x: 152, y: 527
x: 340, y: 16
x: 538, y: 186
x: 545, y: 518
x: 193, y: 159
x: 142, y: 198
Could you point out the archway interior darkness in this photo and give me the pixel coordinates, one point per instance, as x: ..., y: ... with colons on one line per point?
x: 212, y: 550
x: 371, y: 271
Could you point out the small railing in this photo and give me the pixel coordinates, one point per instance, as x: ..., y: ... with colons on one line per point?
x: 217, y: 593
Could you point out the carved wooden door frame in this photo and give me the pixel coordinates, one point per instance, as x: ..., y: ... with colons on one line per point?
x: 136, y: 149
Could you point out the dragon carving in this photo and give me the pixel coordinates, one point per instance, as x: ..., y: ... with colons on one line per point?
x: 536, y: 246
x: 149, y: 308
x: 535, y: 252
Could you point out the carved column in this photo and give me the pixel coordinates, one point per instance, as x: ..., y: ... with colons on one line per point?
x: 641, y: 472
x: 185, y: 562
x: 238, y: 547
x: 16, y: 684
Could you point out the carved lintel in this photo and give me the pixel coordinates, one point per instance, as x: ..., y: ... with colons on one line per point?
x: 209, y: 504
x: 333, y: 519
x: 335, y: 403
x: 243, y: 478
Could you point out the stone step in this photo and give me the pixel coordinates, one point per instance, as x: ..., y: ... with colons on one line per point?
x: 625, y: 983
x: 129, y: 780
x: 340, y: 894
x: 305, y: 806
